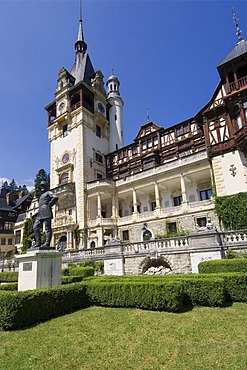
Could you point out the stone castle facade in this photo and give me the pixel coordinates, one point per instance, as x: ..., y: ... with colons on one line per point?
x: 161, y: 184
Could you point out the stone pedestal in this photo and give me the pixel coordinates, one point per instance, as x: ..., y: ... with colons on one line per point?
x: 204, y: 246
x: 114, y: 262
x: 39, y: 269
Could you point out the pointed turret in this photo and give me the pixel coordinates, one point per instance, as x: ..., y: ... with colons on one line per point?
x: 115, y: 113
x: 82, y: 69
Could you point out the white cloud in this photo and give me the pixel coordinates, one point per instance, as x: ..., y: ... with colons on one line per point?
x: 3, y: 179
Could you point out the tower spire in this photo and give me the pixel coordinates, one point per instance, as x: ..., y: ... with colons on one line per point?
x: 235, y: 20
x: 80, y: 31
x: 80, y: 44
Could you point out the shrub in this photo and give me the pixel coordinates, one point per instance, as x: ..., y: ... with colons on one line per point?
x: 230, y: 254
x: 82, y: 271
x: 166, y: 296
x: 71, y: 279
x: 9, y: 286
x: 226, y: 265
x: 65, y: 271
x: 235, y: 286
x: 198, y: 289
x: 99, y: 267
x: 204, y: 292
x: 10, y: 276
x: 86, y: 263
x: 20, y: 309
x: 232, y: 211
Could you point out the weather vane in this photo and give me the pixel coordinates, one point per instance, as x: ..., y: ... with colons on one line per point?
x: 235, y: 20
x: 147, y: 114
x: 81, y: 10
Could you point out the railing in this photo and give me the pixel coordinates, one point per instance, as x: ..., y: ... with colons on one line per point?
x: 236, y: 85
x: 153, y: 245
x: 231, y: 238
x: 78, y: 255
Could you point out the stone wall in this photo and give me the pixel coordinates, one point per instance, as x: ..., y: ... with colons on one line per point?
x: 179, y: 263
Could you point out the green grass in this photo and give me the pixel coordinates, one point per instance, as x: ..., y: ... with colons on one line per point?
x: 121, y: 339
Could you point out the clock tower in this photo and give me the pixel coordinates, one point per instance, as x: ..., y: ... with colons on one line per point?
x: 79, y: 132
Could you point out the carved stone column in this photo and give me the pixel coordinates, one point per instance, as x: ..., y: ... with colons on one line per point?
x: 99, y: 213
x: 183, y: 188
x: 157, y: 195
x: 135, y: 201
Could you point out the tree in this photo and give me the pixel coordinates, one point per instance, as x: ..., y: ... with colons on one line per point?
x: 28, y: 234
x: 41, y: 176
x: 13, y: 189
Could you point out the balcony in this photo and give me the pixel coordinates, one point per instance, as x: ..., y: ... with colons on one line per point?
x: 100, y: 221
x: 236, y: 85
x: 193, y: 207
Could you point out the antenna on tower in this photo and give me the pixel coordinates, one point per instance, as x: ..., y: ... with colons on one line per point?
x: 235, y: 20
x: 112, y: 71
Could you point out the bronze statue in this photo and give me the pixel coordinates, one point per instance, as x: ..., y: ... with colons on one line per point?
x: 44, y: 215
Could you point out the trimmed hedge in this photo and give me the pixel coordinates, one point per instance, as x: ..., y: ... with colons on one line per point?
x: 9, y: 286
x: 226, y: 265
x: 10, y: 276
x: 71, y: 279
x: 168, y: 293
x: 235, y: 286
x: 166, y: 296
x: 198, y: 290
x: 82, y: 271
x: 20, y: 309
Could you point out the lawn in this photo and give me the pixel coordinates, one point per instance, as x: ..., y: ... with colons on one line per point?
x: 121, y: 339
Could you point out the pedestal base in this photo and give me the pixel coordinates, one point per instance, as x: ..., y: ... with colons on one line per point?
x: 39, y: 268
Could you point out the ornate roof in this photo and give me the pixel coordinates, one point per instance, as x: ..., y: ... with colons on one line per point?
x: 240, y: 48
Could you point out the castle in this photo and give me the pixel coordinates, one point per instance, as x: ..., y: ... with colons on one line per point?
x: 161, y: 184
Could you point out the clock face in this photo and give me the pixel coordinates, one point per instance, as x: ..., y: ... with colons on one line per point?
x: 61, y: 105
x: 101, y: 107
x: 65, y: 158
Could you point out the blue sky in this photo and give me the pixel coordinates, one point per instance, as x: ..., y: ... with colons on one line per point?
x: 164, y: 53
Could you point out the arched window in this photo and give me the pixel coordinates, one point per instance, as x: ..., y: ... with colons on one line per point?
x: 64, y: 179
x: 92, y: 244
x: 147, y: 235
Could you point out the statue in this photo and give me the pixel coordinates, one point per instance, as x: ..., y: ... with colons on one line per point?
x: 44, y: 215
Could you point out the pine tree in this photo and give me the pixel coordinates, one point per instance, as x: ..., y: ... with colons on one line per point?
x: 41, y: 176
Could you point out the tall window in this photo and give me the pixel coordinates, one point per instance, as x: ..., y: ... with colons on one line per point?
x: 125, y: 235
x: 98, y: 131
x: 65, y: 130
x: 238, y: 117
x: 64, y: 179
x: 18, y: 237
x: 98, y: 157
x: 206, y: 194
x: 153, y: 205
x: 177, y: 200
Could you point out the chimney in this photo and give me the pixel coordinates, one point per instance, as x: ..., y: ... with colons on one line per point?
x: 20, y: 195
x: 8, y: 198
